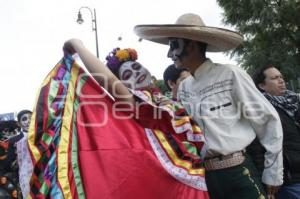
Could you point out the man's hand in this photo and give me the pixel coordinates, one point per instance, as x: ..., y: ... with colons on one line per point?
x: 271, y: 191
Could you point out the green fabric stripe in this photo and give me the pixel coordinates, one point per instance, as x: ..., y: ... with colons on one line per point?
x: 76, y: 172
x: 190, y: 148
x: 41, y: 181
x: 44, y: 188
x: 47, y: 138
x: 54, y: 86
x: 44, y: 160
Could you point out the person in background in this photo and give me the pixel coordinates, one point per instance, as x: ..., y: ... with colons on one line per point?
x: 8, y: 163
x: 23, y: 155
x: 270, y: 82
x: 172, y: 78
x: 224, y: 102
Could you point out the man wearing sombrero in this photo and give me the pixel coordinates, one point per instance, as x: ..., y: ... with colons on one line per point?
x: 226, y: 104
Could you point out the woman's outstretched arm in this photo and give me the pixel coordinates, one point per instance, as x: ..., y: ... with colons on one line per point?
x: 100, y: 72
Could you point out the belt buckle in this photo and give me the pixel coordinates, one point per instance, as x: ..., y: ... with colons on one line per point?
x: 223, y: 162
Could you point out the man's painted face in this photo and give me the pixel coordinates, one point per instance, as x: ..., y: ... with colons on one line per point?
x: 134, y: 75
x: 25, y: 121
x: 176, y: 48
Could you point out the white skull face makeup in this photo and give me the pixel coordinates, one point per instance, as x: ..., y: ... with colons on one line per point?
x: 134, y: 75
x: 25, y: 121
x: 176, y: 48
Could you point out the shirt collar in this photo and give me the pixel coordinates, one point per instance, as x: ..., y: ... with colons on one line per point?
x: 203, y: 68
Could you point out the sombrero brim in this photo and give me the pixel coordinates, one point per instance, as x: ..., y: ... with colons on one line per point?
x: 218, y: 39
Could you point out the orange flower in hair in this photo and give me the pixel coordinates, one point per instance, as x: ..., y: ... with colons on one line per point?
x: 132, y: 53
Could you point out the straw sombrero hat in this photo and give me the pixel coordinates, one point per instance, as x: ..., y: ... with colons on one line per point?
x: 191, y: 26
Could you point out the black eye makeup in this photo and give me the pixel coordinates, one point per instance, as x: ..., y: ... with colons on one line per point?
x: 141, y: 79
x: 24, y: 118
x: 136, y: 66
x: 126, y: 74
x: 173, y: 44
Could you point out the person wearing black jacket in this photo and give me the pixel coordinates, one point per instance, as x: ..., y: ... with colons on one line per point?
x: 270, y: 82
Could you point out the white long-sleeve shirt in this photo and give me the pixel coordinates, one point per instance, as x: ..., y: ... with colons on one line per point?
x: 232, y: 112
x: 25, y: 165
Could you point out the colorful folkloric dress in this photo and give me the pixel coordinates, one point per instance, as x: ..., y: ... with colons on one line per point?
x: 84, y: 147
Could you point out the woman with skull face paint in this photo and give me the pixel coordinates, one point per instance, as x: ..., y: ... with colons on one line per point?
x: 24, y: 159
x: 121, y: 73
x: 130, y: 83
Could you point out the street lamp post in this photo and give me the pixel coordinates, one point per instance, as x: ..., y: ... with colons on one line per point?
x: 94, y: 23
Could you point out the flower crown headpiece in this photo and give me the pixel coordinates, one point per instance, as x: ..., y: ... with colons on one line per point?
x: 117, y: 57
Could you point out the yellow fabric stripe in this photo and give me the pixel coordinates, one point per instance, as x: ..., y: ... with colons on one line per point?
x: 182, y: 121
x: 31, y: 131
x: 51, y: 74
x: 196, y: 129
x: 31, y: 137
x: 62, y: 160
x: 184, y: 164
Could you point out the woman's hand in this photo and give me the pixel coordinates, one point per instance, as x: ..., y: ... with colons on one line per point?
x: 71, y: 46
x: 99, y: 70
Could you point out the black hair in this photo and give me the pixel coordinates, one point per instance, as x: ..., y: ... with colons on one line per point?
x: 22, y: 113
x: 172, y: 73
x: 259, y: 76
x: 10, y: 125
x: 202, y: 47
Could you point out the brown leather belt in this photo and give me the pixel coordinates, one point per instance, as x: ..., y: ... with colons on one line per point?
x: 223, y: 162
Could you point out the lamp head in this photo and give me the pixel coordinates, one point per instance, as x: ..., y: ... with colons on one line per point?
x: 79, y: 18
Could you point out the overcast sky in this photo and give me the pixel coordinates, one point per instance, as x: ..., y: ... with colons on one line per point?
x: 33, y: 32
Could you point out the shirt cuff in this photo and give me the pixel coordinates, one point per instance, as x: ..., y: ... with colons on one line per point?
x: 273, y: 175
